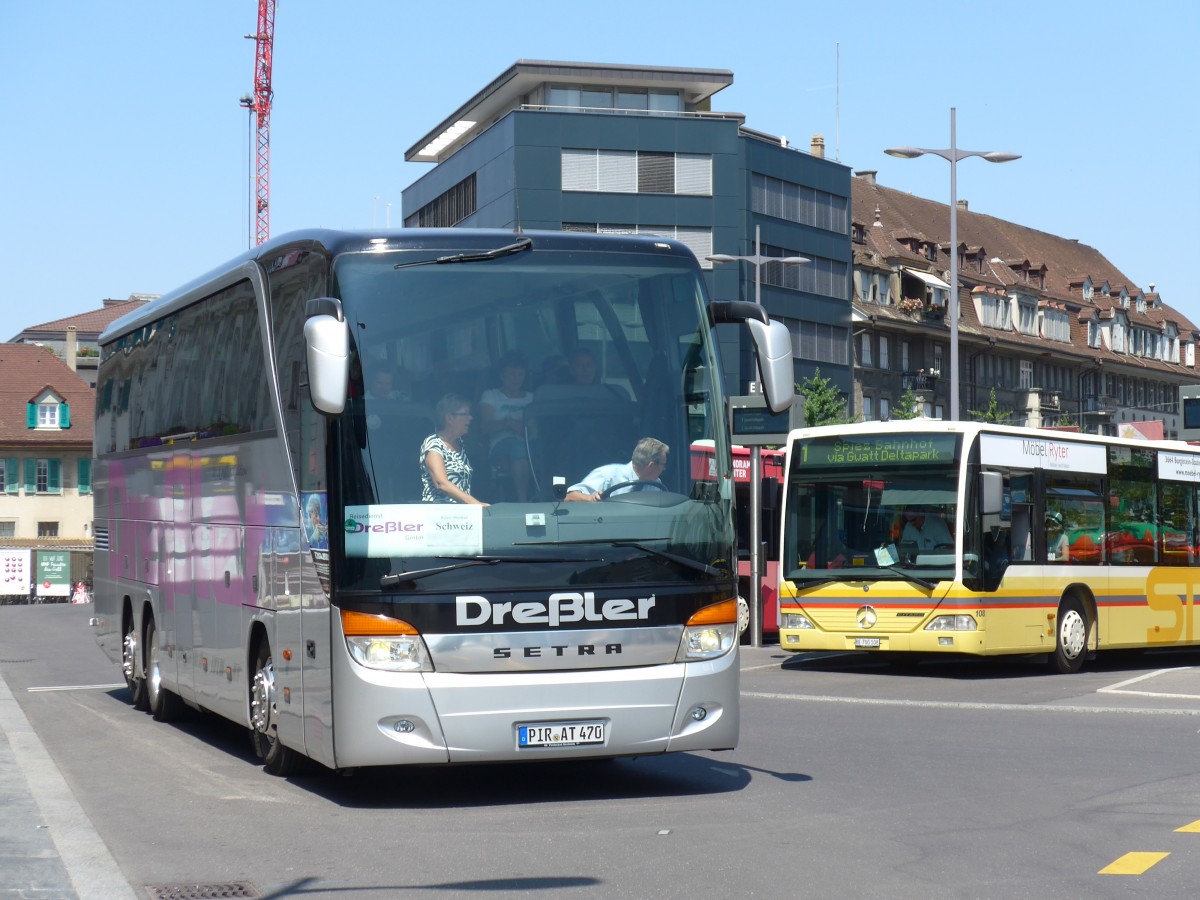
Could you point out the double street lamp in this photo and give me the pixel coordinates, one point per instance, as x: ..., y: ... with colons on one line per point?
x: 758, y: 261
x: 952, y: 156
x: 756, y: 566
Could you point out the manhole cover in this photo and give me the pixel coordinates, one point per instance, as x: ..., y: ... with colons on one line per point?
x: 201, y: 891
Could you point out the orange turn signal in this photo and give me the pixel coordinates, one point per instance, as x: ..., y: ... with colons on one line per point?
x: 357, y: 624
x: 716, y: 613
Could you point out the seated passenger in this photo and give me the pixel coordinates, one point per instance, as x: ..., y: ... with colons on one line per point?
x: 1058, y: 549
x: 926, y: 529
x: 647, y: 465
x: 445, y: 469
x: 503, y: 412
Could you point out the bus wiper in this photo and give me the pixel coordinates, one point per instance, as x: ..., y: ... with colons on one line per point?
x: 508, y: 250
x: 464, y: 562
x: 908, y: 576
x: 637, y: 543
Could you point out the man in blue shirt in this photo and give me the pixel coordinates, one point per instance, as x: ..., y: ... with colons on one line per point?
x: 648, y: 463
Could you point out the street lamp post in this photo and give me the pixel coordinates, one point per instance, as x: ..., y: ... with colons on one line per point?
x: 755, y: 602
x: 952, y: 156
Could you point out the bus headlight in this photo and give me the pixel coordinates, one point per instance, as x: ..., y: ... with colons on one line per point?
x: 795, y: 620
x: 381, y: 642
x: 711, y: 632
x: 953, y: 623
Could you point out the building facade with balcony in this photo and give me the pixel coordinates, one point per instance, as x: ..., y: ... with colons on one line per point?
x: 638, y: 149
x: 1060, y: 335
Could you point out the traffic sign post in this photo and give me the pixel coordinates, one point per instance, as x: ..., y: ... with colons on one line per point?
x: 755, y: 426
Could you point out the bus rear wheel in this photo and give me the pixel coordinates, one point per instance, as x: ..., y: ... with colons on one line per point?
x: 163, y: 703
x: 264, y: 727
x: 1071, y: 633
x: 131, y: 650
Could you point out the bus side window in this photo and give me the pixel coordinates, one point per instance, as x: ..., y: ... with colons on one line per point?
x: 1022, y: 542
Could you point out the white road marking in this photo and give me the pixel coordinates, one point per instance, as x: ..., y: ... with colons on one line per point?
x: 91, y: 868
x: 78, y: 687
x: 948, y: 704
x: 1119, y: 687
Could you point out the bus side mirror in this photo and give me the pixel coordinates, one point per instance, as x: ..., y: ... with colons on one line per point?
x: 773, y: 345
x: 991, y: 493
x: 327, y: 338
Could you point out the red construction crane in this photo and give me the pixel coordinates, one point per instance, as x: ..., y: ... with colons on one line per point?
x: 260, y: 105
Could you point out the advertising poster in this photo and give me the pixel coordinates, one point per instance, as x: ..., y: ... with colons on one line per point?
x: 53, y: 573
x: 414, y: 529
x: 15, y: 576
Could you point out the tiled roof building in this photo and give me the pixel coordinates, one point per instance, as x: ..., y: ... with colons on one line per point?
x: 46, y: 413
x: 75, y: 338
x: 1060, y: 334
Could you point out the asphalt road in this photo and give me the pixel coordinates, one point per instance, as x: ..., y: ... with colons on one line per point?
x: 854, y: 778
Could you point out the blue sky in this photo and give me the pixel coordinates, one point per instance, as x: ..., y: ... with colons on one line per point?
x: 124, y: 161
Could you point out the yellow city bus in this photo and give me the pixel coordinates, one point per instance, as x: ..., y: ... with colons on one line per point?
x: 923, y: 537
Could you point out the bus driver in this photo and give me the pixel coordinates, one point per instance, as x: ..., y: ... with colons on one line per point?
x: 648, y: 463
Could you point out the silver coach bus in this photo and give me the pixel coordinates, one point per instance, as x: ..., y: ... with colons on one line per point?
x: 263, y: 550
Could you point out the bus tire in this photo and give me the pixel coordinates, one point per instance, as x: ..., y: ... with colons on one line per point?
x: 264, y: 730
x: 1071, y: 636
x: 131, y: 652
x: 164, y: 704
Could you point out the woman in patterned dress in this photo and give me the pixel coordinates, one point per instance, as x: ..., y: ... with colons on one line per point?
x: 445, y: 469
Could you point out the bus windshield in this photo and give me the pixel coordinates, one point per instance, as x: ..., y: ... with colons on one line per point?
x: 536, y: 367
x: 872, y: 506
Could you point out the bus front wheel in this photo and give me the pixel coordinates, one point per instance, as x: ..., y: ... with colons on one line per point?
x: 264, y: 727
x: 1071, y: 636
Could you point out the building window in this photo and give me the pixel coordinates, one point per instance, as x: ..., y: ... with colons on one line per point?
x: 47, y: 529
x: 826, y: 277
x: 797, y: 203
x: 8, y: 529
x: 1056, y: 326
x: 865, y: 351
x: 1118, y: 336
x: 1026, y: 318
x: 632, y: 172
x: 43, y: 476
x: 448, y: 209
x: 885, y: 409
x: 48, y: 415
x: 884, y: 362
x: 937, y: 357
x: 819, y: 342
x: 1026, y: 382
x: 868, y: 410
x: 904, y: 367
x: 993, y: 311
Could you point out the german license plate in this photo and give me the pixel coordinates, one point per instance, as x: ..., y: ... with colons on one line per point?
x: 866, y: 643
x: 560, y: 734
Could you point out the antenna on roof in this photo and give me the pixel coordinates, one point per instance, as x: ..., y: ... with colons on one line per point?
x: 837, y: 105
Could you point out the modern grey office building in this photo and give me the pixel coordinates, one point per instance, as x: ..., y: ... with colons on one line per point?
x: 638, y: 149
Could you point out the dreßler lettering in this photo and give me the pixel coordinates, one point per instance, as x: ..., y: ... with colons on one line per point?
x: 562, y: 608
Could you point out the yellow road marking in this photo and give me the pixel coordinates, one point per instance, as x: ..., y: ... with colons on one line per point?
x: 1133, y: 863
x: 1192, y: 828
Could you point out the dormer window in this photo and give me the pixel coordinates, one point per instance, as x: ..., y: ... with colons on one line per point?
x: 858, y: 234
x: 931, y: 252
x: 47, y: 412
